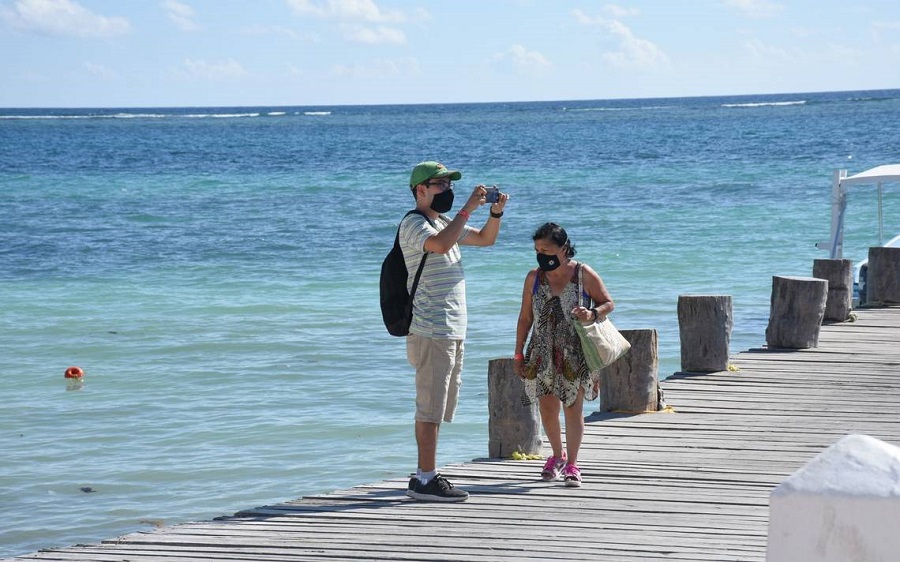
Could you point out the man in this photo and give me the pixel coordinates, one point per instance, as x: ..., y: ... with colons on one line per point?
x: 435, y: 342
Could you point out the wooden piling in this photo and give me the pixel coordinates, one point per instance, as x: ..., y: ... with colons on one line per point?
x: 839, y: 274
x: 631, y: 383
x: 513, y: 426
x: 796, y: 313
x: 883, y: 281
x: 704, y: 326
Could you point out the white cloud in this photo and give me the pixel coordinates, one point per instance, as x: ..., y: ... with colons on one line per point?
x: 756, y: 8
x: 306, y: 8
x: 777, y: 57
x: 885, y: 29
x: 181, y: 14
x: 63, y: 18
x: 223, y: 70
x: 365, y: 10
x: 351, y: 14
x: 617, y: 12
x: 380, y: 68
x: 842, y: 54
x: 583, y: 18
x: 632, y: 51
x: 374, y: 35
x: 271, y: 30
x: 100, y: 71
x: 763, y: 52
x: 803, y: 32
x: 522, y: 60
x: 420, y: 16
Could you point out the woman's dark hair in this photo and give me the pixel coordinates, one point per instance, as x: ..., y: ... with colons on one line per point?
x: 556, y: 234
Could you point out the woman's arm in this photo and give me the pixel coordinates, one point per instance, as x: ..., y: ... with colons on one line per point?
x: 526, y: 319
x: 594, y: 286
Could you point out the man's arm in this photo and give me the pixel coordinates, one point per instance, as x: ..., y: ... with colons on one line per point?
x: 443, y: 241
x: 487, y: 235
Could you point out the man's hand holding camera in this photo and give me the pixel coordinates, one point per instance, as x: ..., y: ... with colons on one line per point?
x: 483, y: 194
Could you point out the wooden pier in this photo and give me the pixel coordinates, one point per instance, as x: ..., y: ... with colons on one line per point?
x: 691, y: 486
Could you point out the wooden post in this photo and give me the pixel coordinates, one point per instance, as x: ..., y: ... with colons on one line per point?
x: 839, y: 274
x: 631, y: 384
x: 704, y: 325
x: 796, y: 312
x: 512, y: 425
x: 883, y: 282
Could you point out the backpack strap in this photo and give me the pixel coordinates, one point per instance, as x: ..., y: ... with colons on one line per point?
x: 415, y: 284
x: 417, y: 212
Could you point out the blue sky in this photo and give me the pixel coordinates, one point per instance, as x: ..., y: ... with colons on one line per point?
x: 110, y: 53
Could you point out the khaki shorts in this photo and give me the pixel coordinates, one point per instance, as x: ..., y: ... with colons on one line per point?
x: 438, y: 364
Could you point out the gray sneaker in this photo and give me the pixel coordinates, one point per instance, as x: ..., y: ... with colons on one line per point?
x: 438, y: 489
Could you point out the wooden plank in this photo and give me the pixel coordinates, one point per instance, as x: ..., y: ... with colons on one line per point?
x: 692, y: 485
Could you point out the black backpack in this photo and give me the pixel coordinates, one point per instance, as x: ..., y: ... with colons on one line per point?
x: 396, y: 301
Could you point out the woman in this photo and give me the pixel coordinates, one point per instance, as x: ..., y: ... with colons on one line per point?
x: 553, y: 368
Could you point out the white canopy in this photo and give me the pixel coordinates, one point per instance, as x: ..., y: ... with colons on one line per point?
x: 878, y: 174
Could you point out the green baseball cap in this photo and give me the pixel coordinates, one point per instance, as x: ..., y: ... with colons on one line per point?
x: 425, y: 171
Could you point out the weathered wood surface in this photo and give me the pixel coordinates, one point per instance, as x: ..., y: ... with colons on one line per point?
x: 839, y: 274
x: 883, y: 280
x: 513, y: 426
x: 631, y: 383
x: 704, y: 327
x: 796, y: 312
x: 687, y: 486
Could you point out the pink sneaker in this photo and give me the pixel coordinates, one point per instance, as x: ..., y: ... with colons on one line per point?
x: 572, y: 475
x: 553, y: 468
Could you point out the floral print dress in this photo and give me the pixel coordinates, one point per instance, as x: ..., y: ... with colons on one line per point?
x: 554, y: 362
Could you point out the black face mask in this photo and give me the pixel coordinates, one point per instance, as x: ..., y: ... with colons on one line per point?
x: 548, y: 262
x: 443, y: 201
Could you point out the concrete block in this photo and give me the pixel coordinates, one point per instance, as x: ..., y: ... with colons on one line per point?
x: 844, y: 505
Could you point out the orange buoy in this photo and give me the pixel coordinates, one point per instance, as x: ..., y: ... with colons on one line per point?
x: 74, y: 373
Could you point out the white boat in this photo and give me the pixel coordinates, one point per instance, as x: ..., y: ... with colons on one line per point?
x: 877, y: 176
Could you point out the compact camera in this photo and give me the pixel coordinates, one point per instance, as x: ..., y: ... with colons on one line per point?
x: 493, y: 194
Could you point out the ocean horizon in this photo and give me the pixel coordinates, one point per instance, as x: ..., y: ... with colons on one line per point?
x: 753, y: 99
x: 214, y: 271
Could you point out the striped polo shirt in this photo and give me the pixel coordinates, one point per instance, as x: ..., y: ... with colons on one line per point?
x: 439, y: 306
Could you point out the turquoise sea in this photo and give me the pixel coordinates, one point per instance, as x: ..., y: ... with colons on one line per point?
x: 215, y: 273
